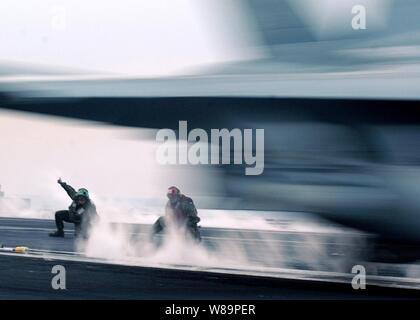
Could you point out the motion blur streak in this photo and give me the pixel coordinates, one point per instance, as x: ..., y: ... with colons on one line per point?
x: 340, y: 109
x: 330, y: 19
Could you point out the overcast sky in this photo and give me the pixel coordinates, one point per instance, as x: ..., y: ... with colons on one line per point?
x: 136, y: 37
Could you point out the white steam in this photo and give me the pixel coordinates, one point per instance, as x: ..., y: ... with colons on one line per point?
x: 262, y: 245
x: 114, y: 243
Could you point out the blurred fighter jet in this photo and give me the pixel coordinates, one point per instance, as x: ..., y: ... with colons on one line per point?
x: 340, y: 110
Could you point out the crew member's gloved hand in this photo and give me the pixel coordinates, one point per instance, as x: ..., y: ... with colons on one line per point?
x: 194, y: 219
x: 59, y: 181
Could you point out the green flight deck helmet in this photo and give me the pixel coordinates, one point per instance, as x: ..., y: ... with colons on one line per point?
x: 82, y: 192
